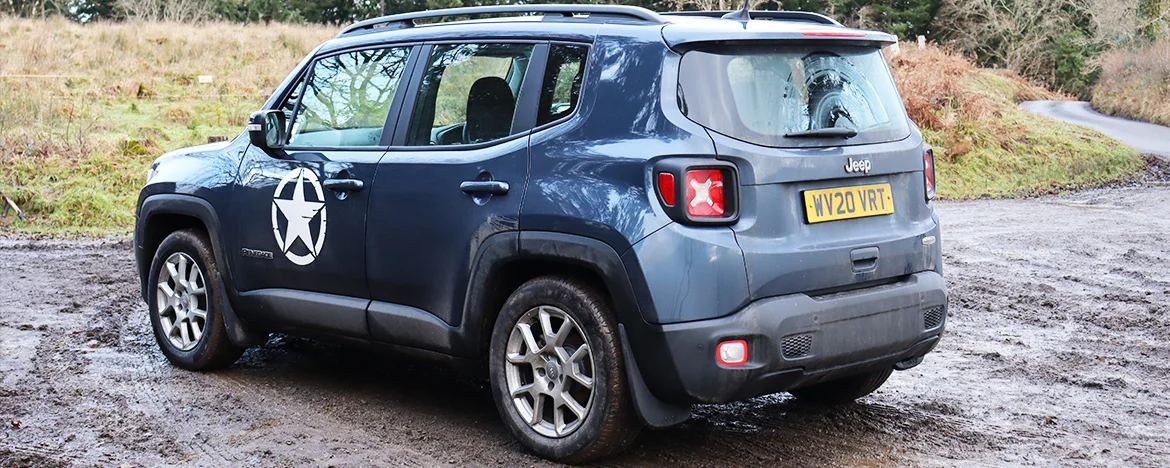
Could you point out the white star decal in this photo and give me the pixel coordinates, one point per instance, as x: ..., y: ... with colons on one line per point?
x: 299, y: 213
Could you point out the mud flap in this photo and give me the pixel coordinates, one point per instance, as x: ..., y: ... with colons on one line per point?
x: 652, y: 411
x: 239, y: 334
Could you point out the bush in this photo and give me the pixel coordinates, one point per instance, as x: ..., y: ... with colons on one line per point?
x: 1135, y: 82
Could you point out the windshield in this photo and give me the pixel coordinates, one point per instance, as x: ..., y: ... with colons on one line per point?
x: 760, y: 94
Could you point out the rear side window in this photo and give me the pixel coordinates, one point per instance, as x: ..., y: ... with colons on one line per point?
x: 759, y: 94
x: 468, y: 94
x: 562, y: 82
x: 347, y: 98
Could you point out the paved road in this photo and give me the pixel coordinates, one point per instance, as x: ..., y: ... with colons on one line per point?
x: 1147, y: 138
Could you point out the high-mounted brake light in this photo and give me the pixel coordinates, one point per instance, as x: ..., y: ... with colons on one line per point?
x: 666, y: 188
x: 732, y: 353
x: 705, y: 193
x: 928, y: 173
x: 833, y: 33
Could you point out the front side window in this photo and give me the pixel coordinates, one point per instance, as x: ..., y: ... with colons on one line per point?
x: 768, y: 95
x: 468, y: 94
x: 562, y: 82
x: 347, y: 98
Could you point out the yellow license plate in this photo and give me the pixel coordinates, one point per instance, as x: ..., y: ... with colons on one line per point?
x: 859, y: 201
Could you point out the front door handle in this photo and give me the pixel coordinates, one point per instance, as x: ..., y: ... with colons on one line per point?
x: 492, y: 187
x: 344, y: 185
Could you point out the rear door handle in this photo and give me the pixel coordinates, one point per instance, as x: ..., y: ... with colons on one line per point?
x: 344, y: 185
x: 493, y: 187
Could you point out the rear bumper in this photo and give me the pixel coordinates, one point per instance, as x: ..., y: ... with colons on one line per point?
x: 797, y: 340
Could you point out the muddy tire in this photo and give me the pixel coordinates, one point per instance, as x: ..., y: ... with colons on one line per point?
x: 185, y: 303
x: 556, y: 340
x: 839, y: 392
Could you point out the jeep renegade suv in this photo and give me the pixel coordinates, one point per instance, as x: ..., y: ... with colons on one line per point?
x: 619, y: 213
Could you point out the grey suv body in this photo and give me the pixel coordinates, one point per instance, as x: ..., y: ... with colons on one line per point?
x: 619, y: 213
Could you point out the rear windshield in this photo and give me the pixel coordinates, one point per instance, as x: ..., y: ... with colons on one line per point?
x: 759, y: 94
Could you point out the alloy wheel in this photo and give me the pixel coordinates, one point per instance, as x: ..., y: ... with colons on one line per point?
x: 182, y: 301
x: 550, y: 371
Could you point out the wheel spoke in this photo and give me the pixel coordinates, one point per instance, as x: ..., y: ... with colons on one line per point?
x: 181, y: 274
x: 572, y: 405
x: 173, y: 271
x: 183, y: 333
x: 517, y: 358
x: 529, y: 339
x: 546, y: 324
x: 193, y: 275
x: 200, y: 313
x: 585, y: 381
x: 537, y: 410
x: 563, y: 333
x: 582, y: 351
x: 166, y: 290
x: 196, y: 330
x: 562, y: 353
x: 559, y: 419
x: 525, y: 390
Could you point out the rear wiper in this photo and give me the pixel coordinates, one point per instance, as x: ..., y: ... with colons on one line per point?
x: 833, y: 132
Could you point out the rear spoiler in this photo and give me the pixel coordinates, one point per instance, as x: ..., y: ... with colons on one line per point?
x: 705, y: 30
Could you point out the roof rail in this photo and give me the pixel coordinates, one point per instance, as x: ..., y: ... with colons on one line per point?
x: 406, y: 20
x: 765, y: 14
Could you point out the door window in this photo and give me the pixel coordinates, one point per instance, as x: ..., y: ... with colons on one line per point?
x: 562, y: 82
x: 347, y: 98
x: 468, y: 94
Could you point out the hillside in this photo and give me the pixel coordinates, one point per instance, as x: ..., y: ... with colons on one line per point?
x: 986, y: 145
x: 1135, y: 82
x: 84, y: 109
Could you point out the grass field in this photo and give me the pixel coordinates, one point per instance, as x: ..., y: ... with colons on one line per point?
x: 85, y: 109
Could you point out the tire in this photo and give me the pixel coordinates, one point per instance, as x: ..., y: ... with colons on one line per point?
x: 839, y: 392
x: 186, y: 339
x: 608, y: 424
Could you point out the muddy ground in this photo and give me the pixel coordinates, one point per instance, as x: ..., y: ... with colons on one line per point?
x: 1057, y: 353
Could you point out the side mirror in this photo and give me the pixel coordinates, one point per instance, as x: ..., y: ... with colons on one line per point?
x: 266, y: 129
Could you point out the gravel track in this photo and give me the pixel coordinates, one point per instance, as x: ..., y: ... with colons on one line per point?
x: 1057, y: 353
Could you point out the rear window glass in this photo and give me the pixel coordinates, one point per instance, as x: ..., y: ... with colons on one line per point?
x: 759, y: 94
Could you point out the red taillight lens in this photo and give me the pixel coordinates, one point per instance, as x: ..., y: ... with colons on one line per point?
x: 666, y: 187
x: 705, y: 193
x: 732, y: 353
x: 928, y: 173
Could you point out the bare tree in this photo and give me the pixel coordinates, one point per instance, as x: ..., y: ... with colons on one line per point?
x: 183, y: 11
x: 1016, y: 34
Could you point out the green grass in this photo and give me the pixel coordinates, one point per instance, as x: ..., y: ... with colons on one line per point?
x: 1049, y: 157
x: 91, y: 187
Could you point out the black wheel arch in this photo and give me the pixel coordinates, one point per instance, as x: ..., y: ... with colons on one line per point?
x: 507, y: 260
x: 160, y: 215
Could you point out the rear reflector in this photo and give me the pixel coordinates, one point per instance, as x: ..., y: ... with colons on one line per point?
x: 705, y: 193
x: 928, y: 173
x: 732, y: 353
x: 833, y: 33
x: 666, y: 187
